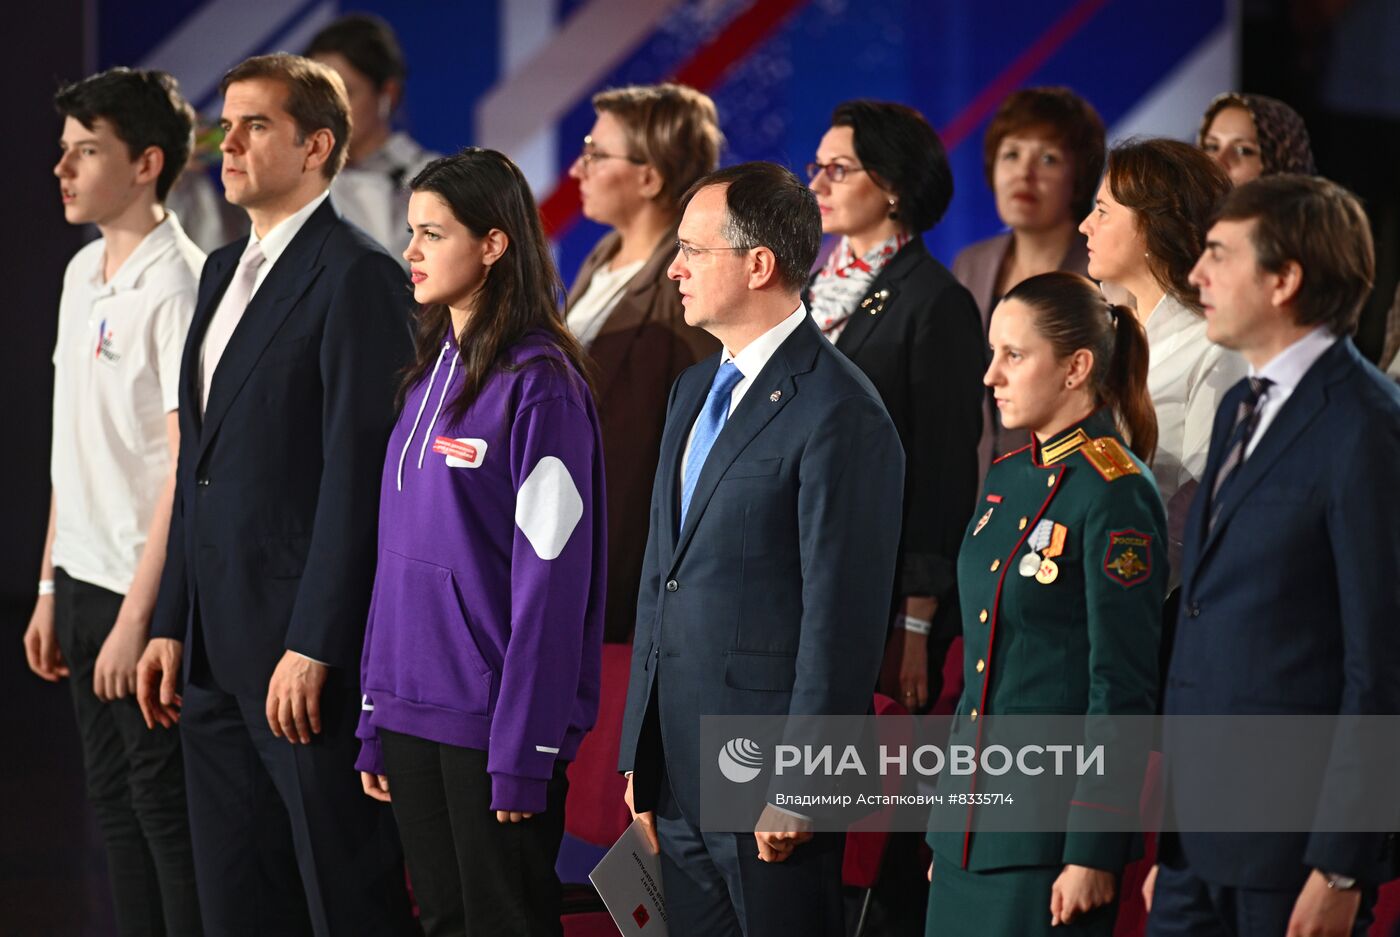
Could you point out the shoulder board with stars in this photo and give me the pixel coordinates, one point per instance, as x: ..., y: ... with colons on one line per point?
x: 1109, y: 458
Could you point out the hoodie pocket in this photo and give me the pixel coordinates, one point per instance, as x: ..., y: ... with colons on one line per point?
x: 424, y: 647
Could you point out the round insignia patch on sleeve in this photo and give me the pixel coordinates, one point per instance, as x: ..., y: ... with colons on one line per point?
x: 548, y: 507
x: 1128, y: 561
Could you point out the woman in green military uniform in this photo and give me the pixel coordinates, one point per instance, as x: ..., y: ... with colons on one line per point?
x: 1062, y: 571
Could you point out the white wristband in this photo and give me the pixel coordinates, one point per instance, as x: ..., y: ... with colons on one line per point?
x: 46, y: 587
x: 915, y: 625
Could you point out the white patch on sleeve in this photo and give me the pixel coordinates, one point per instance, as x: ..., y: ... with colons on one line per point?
x: 548, y: 507
x: 545, y: 749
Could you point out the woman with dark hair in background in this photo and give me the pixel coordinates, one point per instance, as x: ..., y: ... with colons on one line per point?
x: 1043, y: 155
x: 881, y: 179
x: 372, y: 190
x: 1145, y: 232
x: 481, y: 657
x: 1062, y: 573
x: 648, y: 144
x: 1251, y: 135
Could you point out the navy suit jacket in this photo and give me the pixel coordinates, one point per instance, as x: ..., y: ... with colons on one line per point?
x: 1290, y: 605
x: 272, y: 537
x: 774, y: 597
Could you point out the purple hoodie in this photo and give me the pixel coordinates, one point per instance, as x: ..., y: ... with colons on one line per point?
x: 486, y: 623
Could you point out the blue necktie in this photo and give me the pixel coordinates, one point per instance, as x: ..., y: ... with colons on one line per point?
x: 707, y: 427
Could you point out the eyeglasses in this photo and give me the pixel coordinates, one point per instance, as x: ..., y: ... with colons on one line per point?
x: 589, y: 155
x: 836, y: 172
x: 689, y: 251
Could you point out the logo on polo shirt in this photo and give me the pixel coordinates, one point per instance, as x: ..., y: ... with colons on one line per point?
x: 106, y: 349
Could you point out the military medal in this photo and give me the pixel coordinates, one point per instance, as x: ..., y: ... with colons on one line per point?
x: 982, y: 522
x: 1037, y: 541
x: 1049, y: 570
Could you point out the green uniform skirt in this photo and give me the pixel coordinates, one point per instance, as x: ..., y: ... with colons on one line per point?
x: 1004, y: 903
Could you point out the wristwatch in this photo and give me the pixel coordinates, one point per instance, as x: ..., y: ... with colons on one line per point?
x: 1338, y: 882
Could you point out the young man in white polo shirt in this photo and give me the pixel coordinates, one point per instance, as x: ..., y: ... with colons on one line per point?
x: 127, y: 302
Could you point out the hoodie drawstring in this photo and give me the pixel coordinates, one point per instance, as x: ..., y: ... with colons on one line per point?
x: 452, y: 369
x: 421, y: 407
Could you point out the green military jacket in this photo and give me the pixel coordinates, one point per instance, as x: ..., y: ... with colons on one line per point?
x: 1061, y: 574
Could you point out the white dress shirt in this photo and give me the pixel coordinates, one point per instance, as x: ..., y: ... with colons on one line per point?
x: 275, y: 242
x: 273, y: 245
x: 750, y: 361
x: 1286, y: 370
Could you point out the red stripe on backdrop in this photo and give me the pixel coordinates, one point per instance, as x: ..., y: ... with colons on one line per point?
x: 560, y: 211
x: 1015, y: 74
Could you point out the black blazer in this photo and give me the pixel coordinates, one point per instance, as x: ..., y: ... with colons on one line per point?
x: 1289, y: 605
x: 773, y: 598
x: 272, y: 537
x: 917, y: 335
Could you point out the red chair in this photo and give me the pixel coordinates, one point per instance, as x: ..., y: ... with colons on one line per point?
x: 594, y: 811
x: 867, y: 838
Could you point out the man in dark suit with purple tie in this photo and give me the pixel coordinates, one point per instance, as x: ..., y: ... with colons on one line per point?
x: 1288, y: 596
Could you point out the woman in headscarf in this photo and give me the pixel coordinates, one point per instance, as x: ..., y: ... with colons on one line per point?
x: 1252, y: 136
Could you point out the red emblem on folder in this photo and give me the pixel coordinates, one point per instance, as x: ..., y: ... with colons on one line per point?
x: 640, y: 916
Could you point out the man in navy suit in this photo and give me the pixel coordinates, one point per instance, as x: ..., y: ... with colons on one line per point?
x: 1289, y: 602
x: 286, y: 401
x: 775, y: 523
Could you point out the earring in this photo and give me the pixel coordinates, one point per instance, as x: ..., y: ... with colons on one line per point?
x: 893, y: 212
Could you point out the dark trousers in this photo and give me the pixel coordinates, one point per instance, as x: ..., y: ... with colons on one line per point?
x: 285, y: 840
x: 472, y: 874
x: 1186, y: 906
x: 135, y: 779
x: 716, y: 886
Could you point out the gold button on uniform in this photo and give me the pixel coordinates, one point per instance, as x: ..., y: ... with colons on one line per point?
x: 1023, y: 524
x: 1050, y: 482
x: 996, y: 564
x: 983, y: 616
x: 981, y: 666
x: 974, y: 715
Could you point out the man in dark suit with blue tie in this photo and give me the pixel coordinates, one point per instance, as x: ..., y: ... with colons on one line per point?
x: 1289, y: 603
x: 775, y: 523
x: 286, y: 401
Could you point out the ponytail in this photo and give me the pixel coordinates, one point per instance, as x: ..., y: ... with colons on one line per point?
x: 1072, y: 314
x: 1125, y: 385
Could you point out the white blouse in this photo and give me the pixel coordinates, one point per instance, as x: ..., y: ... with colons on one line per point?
x: 586, y: 316
x: 1187, y: 375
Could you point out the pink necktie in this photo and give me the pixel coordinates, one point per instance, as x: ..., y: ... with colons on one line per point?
x: 228, y: 315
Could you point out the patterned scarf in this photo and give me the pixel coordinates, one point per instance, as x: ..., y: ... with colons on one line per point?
x: 844, y: 279
x: 1283, y: 138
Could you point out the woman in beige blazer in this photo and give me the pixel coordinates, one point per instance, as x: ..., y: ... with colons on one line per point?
x: 648, y: 144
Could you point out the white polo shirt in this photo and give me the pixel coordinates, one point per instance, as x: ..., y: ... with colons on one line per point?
x: 116, y: 376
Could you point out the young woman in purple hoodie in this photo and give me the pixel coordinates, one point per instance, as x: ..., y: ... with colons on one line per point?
x: 481, y: 660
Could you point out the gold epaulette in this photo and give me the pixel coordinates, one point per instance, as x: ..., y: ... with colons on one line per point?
x: 1109, y: 458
